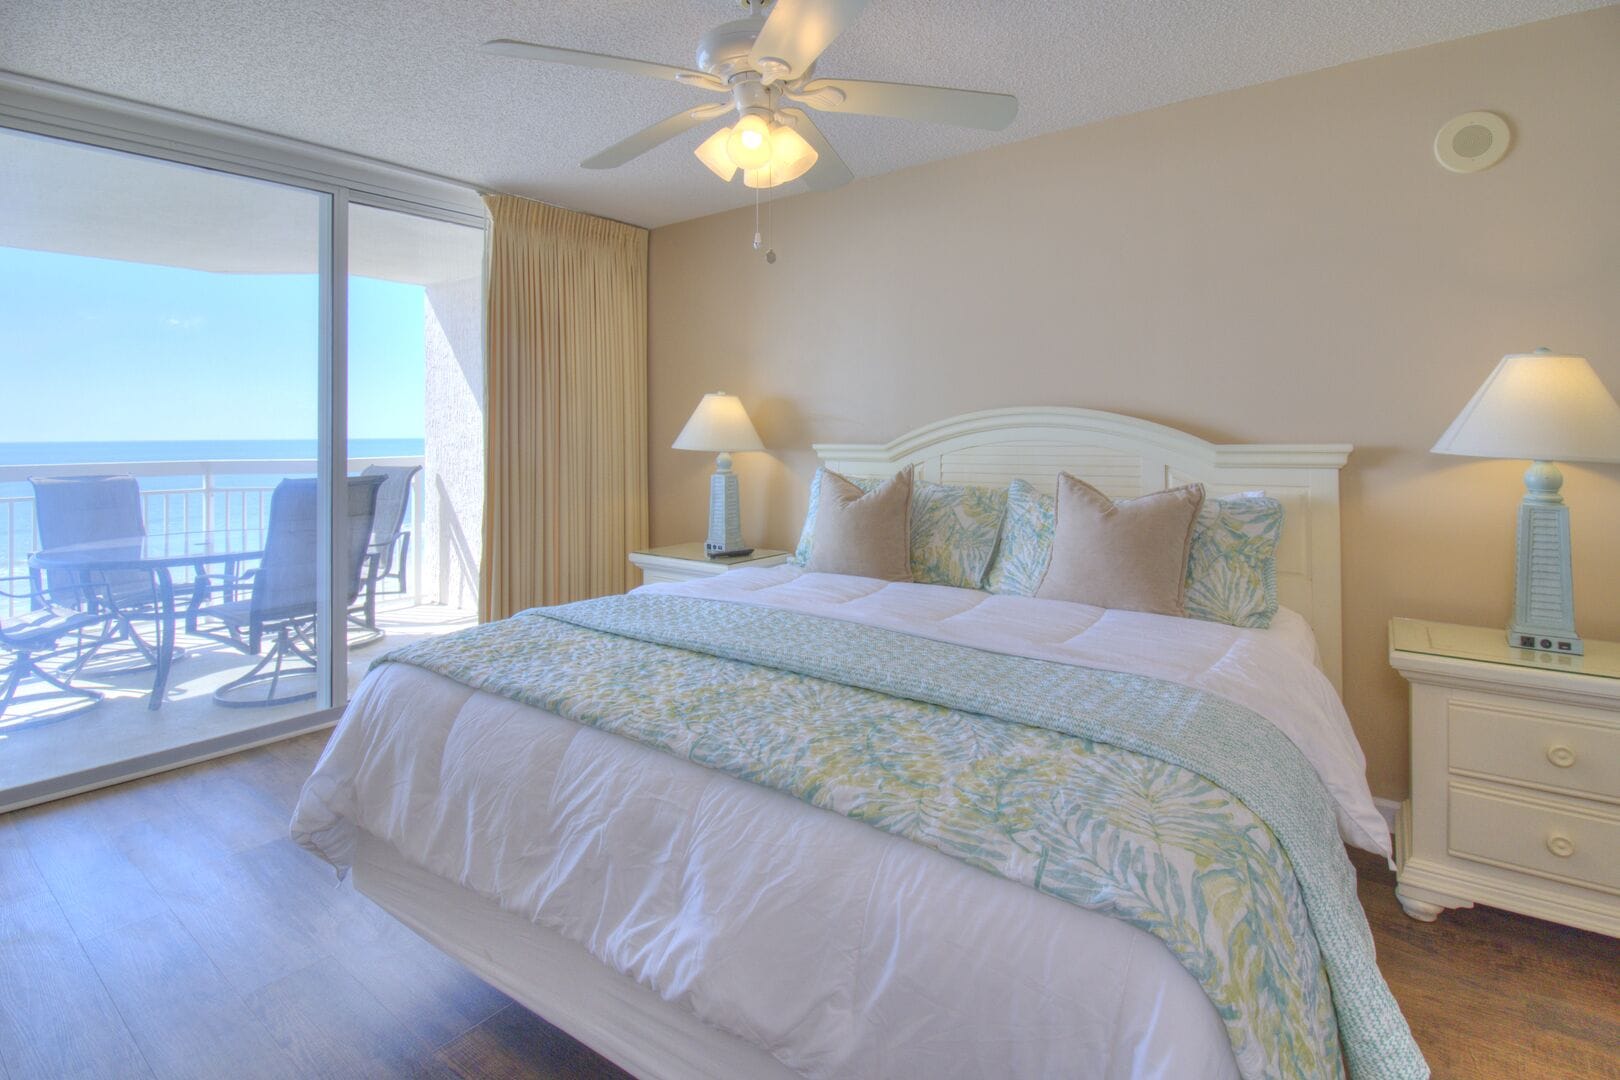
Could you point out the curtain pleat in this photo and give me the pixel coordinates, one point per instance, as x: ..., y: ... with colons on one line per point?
x: 565, y: 495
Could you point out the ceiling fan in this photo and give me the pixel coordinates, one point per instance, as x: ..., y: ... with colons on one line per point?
x: 766, y: 66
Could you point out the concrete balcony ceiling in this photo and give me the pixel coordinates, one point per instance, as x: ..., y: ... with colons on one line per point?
x: 75, y: 200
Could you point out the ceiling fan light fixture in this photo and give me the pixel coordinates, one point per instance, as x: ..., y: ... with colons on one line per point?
x: 791, y: 158
x: 789, y: 150
x: 712, y: 152
x: 749, y: 144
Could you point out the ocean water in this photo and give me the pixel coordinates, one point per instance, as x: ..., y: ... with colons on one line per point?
x: 187, y: 507
x: 68, y: 453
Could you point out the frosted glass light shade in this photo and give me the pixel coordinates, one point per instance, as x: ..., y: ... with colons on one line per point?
x: 791, y: 158
x: 712, y: 152
x: 719, y: 425
x: 749, y: 144
x: 1538, y: 407
x: 786, y: 154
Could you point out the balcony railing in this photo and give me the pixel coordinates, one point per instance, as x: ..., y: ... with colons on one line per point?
x: 183, y: 496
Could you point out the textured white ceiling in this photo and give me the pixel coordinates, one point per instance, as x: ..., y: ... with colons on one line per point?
x: 403, y: 81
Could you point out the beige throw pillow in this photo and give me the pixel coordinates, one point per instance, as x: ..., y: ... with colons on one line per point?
x: 863, y: 533
x: 1130, y: 555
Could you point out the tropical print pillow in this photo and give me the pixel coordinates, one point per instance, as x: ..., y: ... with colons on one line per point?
x: 801, y: 554
x: 953, y: 532
x: 1026, y: 541
x: 1232, y: 568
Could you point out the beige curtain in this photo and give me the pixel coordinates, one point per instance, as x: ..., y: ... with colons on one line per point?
x: 565, y: 492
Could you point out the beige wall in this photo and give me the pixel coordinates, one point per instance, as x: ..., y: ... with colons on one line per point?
x: 1283, y: 263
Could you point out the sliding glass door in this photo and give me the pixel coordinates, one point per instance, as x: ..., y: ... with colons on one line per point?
x: 206, y: 528
x: 415, y: 412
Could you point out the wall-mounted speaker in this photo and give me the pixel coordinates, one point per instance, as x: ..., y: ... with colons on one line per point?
x: 1472, y: 142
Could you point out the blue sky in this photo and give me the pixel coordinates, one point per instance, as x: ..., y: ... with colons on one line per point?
x: 102, y: 350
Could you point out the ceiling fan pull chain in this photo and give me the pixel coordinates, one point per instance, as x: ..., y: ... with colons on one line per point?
x: 759, y: 235
x: 770, y: 253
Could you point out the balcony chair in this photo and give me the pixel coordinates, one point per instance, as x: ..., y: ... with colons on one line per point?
x: 282, y: 595
x: 34, y: 635
x: 83, y: 509
x: 390, y: 542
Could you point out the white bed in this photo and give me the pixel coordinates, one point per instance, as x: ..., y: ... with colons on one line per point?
x: 617, y: 891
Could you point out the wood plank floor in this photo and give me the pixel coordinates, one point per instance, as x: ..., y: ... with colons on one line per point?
x: 1490, y: 994
x: 168, y: 928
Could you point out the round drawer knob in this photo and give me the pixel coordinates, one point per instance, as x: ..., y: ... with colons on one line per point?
x: 1561, y: 756
x: 1560, y: 845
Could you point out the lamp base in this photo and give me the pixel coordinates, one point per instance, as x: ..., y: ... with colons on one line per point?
x: 1544, y: 591
x: 1527, y: 637
x: 725, y: 519
x: 739, y: 553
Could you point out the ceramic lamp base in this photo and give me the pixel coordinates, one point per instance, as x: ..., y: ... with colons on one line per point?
x: 725, y: 519
x: 1544, y: 591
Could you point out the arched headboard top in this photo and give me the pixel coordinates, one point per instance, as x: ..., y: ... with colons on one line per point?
x: 1125, y: 457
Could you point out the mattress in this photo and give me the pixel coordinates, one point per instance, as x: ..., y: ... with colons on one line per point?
x: 838, y: 949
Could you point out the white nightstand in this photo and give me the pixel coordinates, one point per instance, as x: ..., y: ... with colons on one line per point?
x: 684, y: 562
x: 1515, y: 776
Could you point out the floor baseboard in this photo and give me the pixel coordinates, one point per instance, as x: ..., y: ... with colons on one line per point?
x: 1391, y: 809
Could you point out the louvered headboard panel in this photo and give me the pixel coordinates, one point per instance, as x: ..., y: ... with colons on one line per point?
x: 1124, y: 457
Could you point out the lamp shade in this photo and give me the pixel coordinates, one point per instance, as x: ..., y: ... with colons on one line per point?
x: 719, y: 425
x: 1538, y: 407
x: 782, y: 157
x: 712, y: 152
x: 791, y: 158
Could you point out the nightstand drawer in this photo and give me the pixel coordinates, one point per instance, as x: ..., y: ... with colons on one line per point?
x: 1536, y: 748
x: 1524, y: 834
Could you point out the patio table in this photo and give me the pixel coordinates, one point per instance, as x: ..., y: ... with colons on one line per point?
x: 159, y: 555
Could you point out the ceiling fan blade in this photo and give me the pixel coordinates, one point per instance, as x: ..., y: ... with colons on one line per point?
x: 934, y: 104
x: 829, y: 171
x: 647, y: 138
x: 797, y: 32
x: 526, y: 50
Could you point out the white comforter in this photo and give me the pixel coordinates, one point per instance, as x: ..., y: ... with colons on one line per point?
x: 841, y: 949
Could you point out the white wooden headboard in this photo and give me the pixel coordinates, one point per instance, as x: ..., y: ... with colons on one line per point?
x: 1125, y: 457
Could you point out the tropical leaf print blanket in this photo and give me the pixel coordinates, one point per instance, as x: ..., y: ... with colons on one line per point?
x: 1173, y: 809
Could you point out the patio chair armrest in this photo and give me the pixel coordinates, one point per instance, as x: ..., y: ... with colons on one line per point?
x: 227, y: 582
x: 11, y: 593
x: 231, y: 572
x: 40, y: 594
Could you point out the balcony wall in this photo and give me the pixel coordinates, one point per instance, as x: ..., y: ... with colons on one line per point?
x: 453, y: 451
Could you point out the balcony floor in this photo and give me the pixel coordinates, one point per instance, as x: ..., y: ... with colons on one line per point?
x: 35, y: 748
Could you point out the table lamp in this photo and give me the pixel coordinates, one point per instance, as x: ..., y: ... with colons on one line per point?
x: 720, y: 425
x: 1546, y: 408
